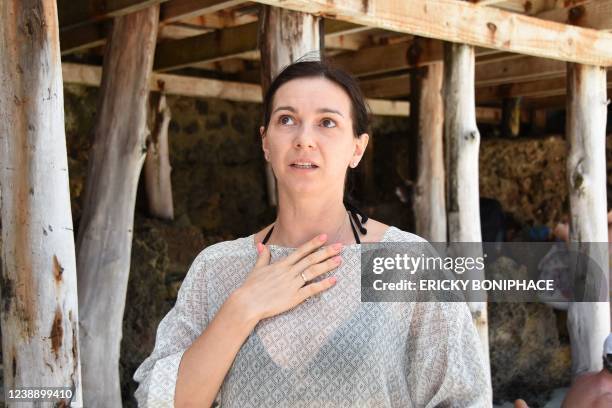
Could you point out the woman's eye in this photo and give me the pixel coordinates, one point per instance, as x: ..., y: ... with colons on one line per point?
x: 289, y: 120
x: 328, y: 123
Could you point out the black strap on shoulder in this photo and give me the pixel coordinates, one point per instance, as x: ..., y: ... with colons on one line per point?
x: 267, y: 237
x: 354, y: 211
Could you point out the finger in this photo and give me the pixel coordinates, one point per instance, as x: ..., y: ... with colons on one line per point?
x: 316, y: 287
x: 306, y: 249
x: 263, y: 257
x: 320, y: 268
x: 316, y: 257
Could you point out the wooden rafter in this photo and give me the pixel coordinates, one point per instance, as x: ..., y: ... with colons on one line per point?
x: 76, y: 13
x: 222, y: 44
x: 592, y: 14
x: 90, y: 75
x: 79, y: 36
x: 461, y: 22
x: 177, y: 10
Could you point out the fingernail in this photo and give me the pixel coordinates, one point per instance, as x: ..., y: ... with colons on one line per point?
x: 333, y: 279
x: 322, y: 237
x: 337, y: 259
x: 337, y: 246
x: 259, y: 247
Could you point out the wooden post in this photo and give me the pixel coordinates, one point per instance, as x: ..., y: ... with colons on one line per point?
x: 157, y: 163
x: 105, y: 233
x: 511, y: 117
x: 38, y: 275
x: 588, y: 323
x: 462, y: 144
x: 284, y: 36
x: 429, y: 194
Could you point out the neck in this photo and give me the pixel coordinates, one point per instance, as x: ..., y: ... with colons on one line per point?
x: 299, y: 221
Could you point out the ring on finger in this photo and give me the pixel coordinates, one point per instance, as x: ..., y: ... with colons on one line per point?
x: 303, y: 276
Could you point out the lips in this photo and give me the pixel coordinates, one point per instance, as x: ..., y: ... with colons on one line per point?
x: 304, y: 164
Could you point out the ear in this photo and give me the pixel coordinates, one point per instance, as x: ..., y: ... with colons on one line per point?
x: 264, y: 142
x: 360, y: 146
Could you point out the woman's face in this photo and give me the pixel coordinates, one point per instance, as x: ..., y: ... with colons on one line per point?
x: 309, y: 141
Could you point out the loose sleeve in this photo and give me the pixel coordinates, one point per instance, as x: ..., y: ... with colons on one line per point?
x: 176, y: 332
x: 445, y: 363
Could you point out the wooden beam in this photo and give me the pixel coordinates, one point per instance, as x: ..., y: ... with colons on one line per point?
x: 532, y: 89
x: 593, y: 14
x: 225, y: 43
x: 429, y: 193
x: 157, y: 168
x: 105, y: 230
x: 462, y: 143
x: 588, y: 321
x: 80, y: 37
x: 40, y: 314
x: 518, y: 69
x: 177, y: 10
x: 221, y: 44
x: 237, y: 91
x: 76, y: 13
x: 471, y: 24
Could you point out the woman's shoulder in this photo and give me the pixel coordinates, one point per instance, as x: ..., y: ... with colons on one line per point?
x: 382, y: 232
x: 234, y: 247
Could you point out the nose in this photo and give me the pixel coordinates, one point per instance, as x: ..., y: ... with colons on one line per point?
x: 304, y: 139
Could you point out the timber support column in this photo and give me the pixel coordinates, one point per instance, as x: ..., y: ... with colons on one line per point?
x: 39, y: 314
x: 105, y: 233
x: 429, y: 194
x: 588, y: 322
x: 285, y: 36
x: 462, y: 146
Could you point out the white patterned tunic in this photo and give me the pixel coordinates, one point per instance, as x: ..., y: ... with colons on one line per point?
x: 330, y: 351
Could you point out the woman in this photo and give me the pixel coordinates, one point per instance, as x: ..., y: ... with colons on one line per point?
x: 275, y: 318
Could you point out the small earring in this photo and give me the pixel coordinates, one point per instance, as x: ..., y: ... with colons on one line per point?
x: 353, y: 165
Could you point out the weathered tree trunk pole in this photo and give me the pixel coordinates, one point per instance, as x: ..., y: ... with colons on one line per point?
x: 588, y: 322
x: 39, y: 283
x: 462, y: 145
x: 105, y: 232
x: 511, y: 117
x: 429, y: 194
x: 157, y: 163
x: 285, y: 36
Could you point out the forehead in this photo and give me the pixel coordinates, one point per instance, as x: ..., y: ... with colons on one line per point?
x: 310, y: 94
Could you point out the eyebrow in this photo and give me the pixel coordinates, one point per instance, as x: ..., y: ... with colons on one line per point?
x: 320, y: 110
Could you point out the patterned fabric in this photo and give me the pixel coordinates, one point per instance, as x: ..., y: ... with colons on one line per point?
x: 330, y: 351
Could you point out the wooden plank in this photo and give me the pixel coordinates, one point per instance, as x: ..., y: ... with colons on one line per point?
x: 76, y: 13
x: 212, y: 88
x: 208, y: 47
x: 182, y: 9
x: 221, y: 44
x: 471, y: 24
x: 518, y: 70
x: 594, y: 14
x: 237, y: 91
x: 532, y: 89
x: 81, y: 37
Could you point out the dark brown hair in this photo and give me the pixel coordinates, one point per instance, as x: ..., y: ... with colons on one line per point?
x: 360, y: 112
